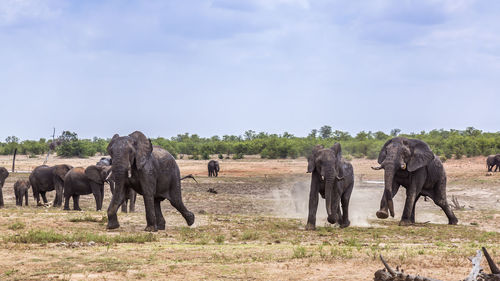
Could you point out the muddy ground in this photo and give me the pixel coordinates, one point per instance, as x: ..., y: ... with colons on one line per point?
x: 252, y: 229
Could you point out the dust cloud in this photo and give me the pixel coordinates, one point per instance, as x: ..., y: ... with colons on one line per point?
x: 292, y: 201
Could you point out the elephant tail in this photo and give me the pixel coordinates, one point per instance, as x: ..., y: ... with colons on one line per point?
x: 189, y: 176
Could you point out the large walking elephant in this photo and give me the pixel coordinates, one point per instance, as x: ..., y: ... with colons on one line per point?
x: 333, y: 178
x: 82, y: 181
x: 45, y: 178
x: 493, y: 161
x: 130, y: 194
x: 151, y: 172
x: 213, y: 168
x: 412, y: 164
x: 3, y: 175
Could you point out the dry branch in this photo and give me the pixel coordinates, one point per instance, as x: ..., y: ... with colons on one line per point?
x: 455, y: 204
x: 476, y: 274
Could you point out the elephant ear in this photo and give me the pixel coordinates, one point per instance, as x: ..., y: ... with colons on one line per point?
x: 421, y: 155
x: 61, y: 170
x: 111, y: 142
x: 337, y: 149
x: 143, y: 148
x: 95, y: 174
x: 383, y: 152
x: 311, y: 159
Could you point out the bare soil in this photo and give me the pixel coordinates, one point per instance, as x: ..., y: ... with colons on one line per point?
x: 253, y: 228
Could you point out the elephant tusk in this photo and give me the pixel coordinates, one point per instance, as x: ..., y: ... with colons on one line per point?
x: 403, y: 166
x: 377, y: 168
x: 109, y: 175
x: 322, y: 178
x: 340, y: 178
x: 129, y: 173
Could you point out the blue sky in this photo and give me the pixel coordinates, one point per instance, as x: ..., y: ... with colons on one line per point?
x: 222, y: 67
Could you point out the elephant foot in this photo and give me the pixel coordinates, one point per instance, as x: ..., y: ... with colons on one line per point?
x: 161, y: 226
x: 77, y: 209
x: 66, y: 209
x: 345, y: 224
x: 331, y: 220
x: 381, y: 214
x: 310, y: 226
x: 39, y: 204
x: 189, y: 217
x: 453, y: 221
x: 405, y: 223
x: 151, y: 228
x: 112, y: 225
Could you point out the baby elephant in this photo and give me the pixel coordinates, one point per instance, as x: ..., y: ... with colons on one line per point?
x: 80, y: 181
x: 21, y: 190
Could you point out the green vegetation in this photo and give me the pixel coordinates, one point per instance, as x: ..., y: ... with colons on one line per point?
x: 17, y: 225
x: 49, y: 236
x: 445, y: 143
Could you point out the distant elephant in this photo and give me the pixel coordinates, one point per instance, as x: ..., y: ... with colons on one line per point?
x: 151, y: 172
x: 411, y: 163
x: 3, y: 175
x: 21, y: 190
x: 213, y: 168
x: 333, y: 178
x: 80, y: 181
x: 130, y: 194
x: 45, y: 178
x: 493, y: 161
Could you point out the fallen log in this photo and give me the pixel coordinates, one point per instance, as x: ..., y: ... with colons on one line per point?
x: 476, y: 274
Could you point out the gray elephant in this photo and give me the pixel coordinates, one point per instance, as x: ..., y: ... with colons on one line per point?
x: 21, y: 190
x: 411, y: 163
x: 3, y: 175
x: 493, y: 161
x: 151, y: 172
x: 333, y: 178
x: 80, y: 181
x: 130, y: 194
x: 45, y: 178
x: 213, y: 168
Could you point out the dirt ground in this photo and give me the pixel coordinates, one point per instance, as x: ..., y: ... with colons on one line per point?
x: 252, y: 229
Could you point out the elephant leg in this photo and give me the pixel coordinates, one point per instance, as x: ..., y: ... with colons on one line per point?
x: 1, y: 197
x: 42, y: 193
x: 150, y: 213
x: 383, y: 213
x: 131, y: 205
x: 76, y: 203
x: 412, y: 216
x: 176, y: 202
x: 58, y: 198
x: 66, y: 201
x: 344, y: 200
x: 116, y: 200
x: 26, y: 198
x: 160, y: 221
x: 17, y: 199
x: 101, y: 191
x: 416, y: 184
x: 313, y: 203
x: 440, y: 199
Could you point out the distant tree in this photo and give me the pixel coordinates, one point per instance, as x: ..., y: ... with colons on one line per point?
x: 395, y: 132
x: 313, y: 134
x: 325, y: 132
x: 12, y: 139
x: 341, y: 136
x: 249, y: 135
x: 287, y: 135
x: 379, y: 135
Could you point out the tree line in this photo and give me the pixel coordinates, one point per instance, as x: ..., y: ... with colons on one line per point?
x: 445, y: 143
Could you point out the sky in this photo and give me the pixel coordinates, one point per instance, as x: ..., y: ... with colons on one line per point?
x: 216, y: 67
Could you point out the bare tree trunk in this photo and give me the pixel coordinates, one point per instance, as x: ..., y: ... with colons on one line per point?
x: 14, y: 160
x: 48, y: 152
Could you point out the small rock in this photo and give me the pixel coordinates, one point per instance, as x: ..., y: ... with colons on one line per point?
x: 489, y: 174
x: 91, y: 243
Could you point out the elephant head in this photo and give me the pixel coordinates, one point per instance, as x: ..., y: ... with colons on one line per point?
x: 59, y: 171
x: 400, y: 154
x: 97, y: 173
x: 326, y: 165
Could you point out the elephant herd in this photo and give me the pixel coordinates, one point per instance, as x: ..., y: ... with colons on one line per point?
x: 136, y: 166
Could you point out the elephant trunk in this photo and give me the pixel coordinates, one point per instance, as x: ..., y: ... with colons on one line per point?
x: 119, y: 177
x: 386, y: 202
x: 331, y: 198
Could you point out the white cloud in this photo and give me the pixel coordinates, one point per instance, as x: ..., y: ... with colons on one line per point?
x: 19, y: 11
